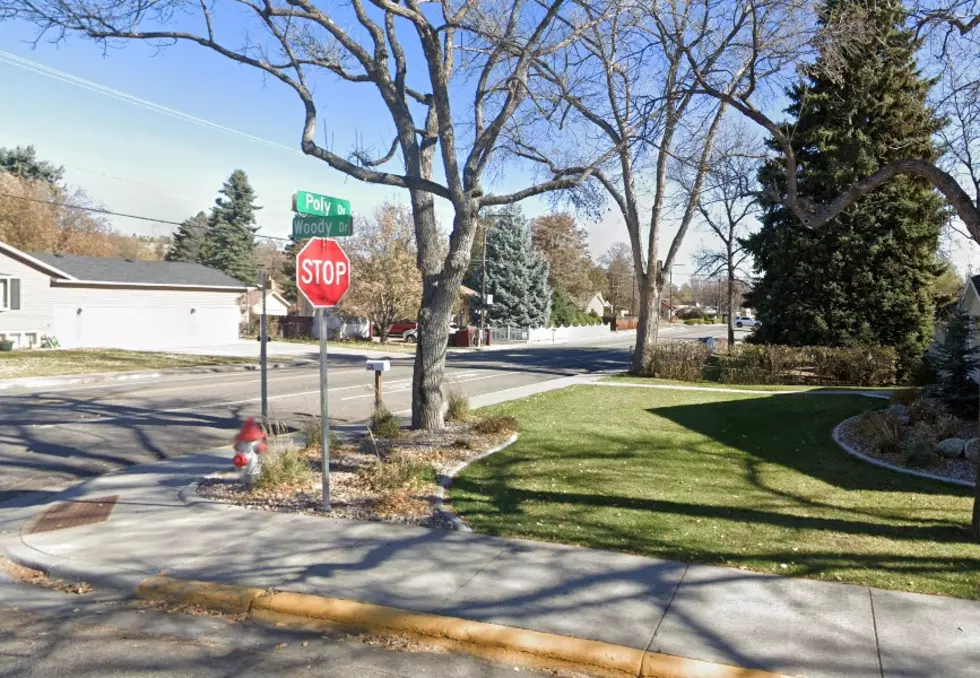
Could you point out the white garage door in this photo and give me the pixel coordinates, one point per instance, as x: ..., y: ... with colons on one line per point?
x: 144, y: 327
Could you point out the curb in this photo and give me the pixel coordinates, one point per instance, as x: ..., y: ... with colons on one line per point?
x: 270, y: 606
x: 110, y: 377
x: 439, y: 510
x: 884, y: 464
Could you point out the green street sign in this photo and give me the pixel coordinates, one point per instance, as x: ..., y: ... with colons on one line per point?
x: 322, y: 227
x: 305, y: 202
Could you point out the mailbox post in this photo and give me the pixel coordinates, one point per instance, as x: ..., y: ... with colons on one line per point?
x: 379, y: 367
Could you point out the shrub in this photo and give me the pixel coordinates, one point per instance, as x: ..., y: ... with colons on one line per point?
x: 492, y: 425
x: 311, y: 433
x: 286, y: 469
x: 882, y: 430
x: 954, y: 362
x: 765, y: 364
x: 926, y: 411
x: 690, y: 314
x: 459, y: 406
x: 692, y: 321
x: 397, y: 472
x: 947, y: 426
x: 683, y: 360
x: 918, y: 446
x: 384, y: 424
x: 905, y: 396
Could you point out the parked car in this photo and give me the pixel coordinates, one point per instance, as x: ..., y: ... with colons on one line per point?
x: 412, y: 336
x: 401, y: 328
x: 746, y: 321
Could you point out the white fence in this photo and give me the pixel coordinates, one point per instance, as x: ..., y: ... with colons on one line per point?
x: 553, y: 335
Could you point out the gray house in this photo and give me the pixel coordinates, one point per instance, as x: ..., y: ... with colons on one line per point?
x: 115, y: 303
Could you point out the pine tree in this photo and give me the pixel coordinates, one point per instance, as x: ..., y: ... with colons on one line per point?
x: 517, y: 276
x: 865, y: 277
x: 954, y: 361
x: 230, y: 242
x: 188, y: 239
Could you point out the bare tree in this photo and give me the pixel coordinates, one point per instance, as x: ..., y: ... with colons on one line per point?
x: 408, y: 53
x: 727, y: 205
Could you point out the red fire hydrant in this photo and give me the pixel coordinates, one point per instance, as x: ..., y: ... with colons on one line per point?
x: 249, y: 444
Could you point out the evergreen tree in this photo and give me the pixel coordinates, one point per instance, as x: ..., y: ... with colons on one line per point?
x: 954, y: 361
x: 188, y: 239
x: 517, y: 276
x: 865, y: 277
x: 22, y: 162
x: 289, y: 290
x: 230, y: 242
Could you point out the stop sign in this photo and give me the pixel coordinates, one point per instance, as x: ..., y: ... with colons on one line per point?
x: 322, y: 272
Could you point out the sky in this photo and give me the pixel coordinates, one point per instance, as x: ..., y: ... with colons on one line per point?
x: 136, y: 159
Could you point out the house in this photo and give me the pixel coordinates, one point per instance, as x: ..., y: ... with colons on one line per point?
x: 598, y: 306
x: 115, y: 303
x: 275, y: 303
x: 971, y: 297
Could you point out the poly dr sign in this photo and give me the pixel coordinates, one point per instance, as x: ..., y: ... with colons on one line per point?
x: 322, y: 272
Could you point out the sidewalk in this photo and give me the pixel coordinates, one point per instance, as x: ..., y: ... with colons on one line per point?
x: 795, y: 626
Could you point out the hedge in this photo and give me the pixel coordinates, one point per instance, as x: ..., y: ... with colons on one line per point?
x: 682, y: 360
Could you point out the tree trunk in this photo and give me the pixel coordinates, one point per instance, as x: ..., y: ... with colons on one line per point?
x: 975, y: 525
x: 647, y: 324
x: 731, y: 307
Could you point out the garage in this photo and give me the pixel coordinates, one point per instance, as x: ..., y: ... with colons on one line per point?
x: 96, y: 302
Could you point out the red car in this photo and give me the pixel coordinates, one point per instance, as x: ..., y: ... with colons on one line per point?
x: 400, y: 328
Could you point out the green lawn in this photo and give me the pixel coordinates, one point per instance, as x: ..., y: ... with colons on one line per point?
x: 750, y: 481
x: 14, y: 364
x: 628, y: 379
x: 390, y: 347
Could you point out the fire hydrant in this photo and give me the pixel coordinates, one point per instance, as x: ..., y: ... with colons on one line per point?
x: 249, y: 444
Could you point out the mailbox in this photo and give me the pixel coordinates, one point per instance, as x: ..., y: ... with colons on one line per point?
x: 378, y: 365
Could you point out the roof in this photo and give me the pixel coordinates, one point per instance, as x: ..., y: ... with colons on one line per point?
x: 137, y: 272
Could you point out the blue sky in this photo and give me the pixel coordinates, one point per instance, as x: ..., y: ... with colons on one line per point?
x: 145, y: 162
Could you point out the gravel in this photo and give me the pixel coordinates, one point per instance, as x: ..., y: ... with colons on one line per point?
x: 350, y: 497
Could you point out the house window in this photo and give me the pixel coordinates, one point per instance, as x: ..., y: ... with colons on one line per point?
x: 9, y: 293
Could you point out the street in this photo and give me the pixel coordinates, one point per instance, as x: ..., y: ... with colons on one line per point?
x: 59, y: 435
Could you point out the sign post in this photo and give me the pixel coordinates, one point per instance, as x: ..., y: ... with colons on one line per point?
x: 323, y: 277
x: 263, y: 359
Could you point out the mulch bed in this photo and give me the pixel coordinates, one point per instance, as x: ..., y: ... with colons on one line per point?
x: 957, y: 469
x: 351, y: 494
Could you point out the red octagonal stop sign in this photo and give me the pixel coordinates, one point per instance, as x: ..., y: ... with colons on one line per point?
x: 322, y: 272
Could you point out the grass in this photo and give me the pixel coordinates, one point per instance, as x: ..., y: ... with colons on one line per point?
x: 627, y: 379
x: 746, y: 481
x: 391, y: 347
x: 24, y: 363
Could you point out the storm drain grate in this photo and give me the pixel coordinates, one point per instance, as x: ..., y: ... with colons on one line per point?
x: 74, y: 514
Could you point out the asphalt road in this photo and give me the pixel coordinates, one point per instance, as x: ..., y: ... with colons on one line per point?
x: 54, y: 437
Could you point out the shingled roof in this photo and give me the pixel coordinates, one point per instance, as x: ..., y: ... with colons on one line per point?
x: 137, y: 272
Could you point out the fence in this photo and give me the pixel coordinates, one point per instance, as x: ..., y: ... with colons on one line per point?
x: 508, y: 335
x: 553, y: 335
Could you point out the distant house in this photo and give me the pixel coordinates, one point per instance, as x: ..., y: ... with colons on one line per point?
x: 598, y: 305
x: 971, y: 296
x: 115, y: 303
x: 275, y: 303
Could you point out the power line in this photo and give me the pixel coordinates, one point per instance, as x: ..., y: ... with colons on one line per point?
x: 62, y: 76
x: 100, y: 210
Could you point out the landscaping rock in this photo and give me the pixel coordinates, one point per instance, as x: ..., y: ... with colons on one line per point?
x: 972, y: 450
x: 951, y: 447
x: 901, y: 412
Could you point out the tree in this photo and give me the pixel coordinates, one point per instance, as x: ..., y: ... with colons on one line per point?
x: 229, y: 243
x: 864, y: 277
x: 620, y: 277
x: 385, y: 281
x: 955, y: 361
x: 22, y: 162
x: 517, y: 276
x: 188, y: 239
x: 564, y: 246
x: 726, y: 205
x: 408, y: 53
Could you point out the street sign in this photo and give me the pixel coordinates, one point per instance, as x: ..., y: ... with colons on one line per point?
x: 339, y: 226
x: 305, y: 202
x: 322, y: 272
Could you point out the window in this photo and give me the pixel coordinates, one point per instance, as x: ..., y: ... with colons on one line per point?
x: 9, y: 293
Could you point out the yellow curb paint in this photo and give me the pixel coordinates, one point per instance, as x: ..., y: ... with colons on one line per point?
x: 607, y: 656
x: 205, y: 594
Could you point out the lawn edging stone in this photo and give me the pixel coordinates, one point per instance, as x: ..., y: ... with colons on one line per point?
x: 445, y: 481
x: 847, y: 447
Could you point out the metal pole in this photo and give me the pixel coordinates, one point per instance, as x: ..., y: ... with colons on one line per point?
x: 324, y: 413
x: 377, y: 388
x: 483, y: 306
x: 670, y: 295
x: 263, y: 366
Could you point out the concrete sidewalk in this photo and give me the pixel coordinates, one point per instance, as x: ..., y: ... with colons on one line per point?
x: 794, y: 626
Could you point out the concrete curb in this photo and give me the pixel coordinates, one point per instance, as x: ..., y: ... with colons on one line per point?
x: 111, y: 377
x: 269, y: 606
x: 439, y: 510
x: 884, y: 464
